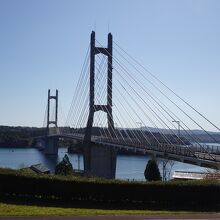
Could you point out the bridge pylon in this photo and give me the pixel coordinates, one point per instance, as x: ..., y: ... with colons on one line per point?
x: 49, y: 121
x: 52, y: 142
x: 89, y: 151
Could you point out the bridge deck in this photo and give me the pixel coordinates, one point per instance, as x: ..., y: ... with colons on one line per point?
x: 199, y: 155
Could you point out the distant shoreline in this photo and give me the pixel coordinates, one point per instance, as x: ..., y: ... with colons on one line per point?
x: 19, y: 137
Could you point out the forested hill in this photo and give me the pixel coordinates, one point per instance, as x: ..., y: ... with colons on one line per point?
x: 18, y: 136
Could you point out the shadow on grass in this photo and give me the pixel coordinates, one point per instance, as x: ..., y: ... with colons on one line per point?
x: 49, y: 202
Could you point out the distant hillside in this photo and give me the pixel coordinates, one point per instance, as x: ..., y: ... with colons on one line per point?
x: 190, y: 135
x: 18, y: 136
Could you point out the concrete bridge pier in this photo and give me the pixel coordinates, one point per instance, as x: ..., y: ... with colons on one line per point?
x: 100, y: 161
x: 51, y: 145
x: 76, y: 147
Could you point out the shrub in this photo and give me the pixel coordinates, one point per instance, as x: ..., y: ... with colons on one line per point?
x: 64, y: 167
x: 174, y: 193
x: 152, y: 172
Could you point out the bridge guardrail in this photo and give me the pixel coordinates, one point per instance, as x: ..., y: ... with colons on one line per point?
x: 201, y: 152
x: 194, y: 150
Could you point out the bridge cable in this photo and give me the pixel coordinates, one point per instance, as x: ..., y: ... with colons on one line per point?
x: 131, y: 117
x: 157, y: 116
x: 100, y: 94
x: 168, y: 87
x: 138, y: 95
x: 103, y: 96
x: 194, y: 139
x: 175, y: 103
x: 81, y: 99
x: 75, y: 96
x: 131, y: 130
x: 178, y: 107
x: 45, y: 116
x: 204, y: 149
x: 101, y: 101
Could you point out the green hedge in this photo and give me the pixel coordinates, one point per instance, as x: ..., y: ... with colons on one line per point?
x: 69, y: 188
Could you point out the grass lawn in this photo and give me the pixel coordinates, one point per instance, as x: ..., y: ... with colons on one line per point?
x: 33, y: 210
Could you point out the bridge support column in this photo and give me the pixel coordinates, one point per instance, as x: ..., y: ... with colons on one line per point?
x: 52, y: 144
x: 102, y: 162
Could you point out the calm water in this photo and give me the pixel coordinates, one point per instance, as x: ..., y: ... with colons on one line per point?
x: 128, y: 167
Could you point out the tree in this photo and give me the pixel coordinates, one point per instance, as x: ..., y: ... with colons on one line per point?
x: 167, y: 166
x: 64, y: 167
x: 152, y: 172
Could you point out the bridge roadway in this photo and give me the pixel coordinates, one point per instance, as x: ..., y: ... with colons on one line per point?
x: 200, y: 155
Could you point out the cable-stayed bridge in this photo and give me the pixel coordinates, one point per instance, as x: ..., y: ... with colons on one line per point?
x: 115, y: 101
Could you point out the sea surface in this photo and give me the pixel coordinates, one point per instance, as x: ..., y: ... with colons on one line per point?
x: 127, y: 167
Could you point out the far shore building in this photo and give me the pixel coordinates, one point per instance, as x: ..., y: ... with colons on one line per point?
x: 187, y: 175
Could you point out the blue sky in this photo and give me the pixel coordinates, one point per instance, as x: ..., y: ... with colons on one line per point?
x: 43, y: 45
